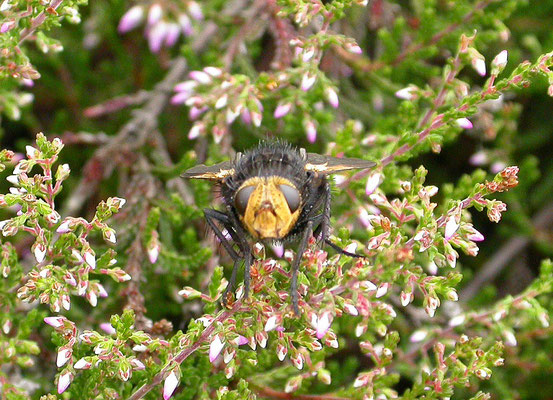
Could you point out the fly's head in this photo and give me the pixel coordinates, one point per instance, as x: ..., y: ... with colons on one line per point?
x: 268, y: 207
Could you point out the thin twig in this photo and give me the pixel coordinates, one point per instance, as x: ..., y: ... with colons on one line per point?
x: 184, y: 354
x: 36, y: 22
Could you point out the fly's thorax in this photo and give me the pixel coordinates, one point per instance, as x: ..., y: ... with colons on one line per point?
x: 269, y: 206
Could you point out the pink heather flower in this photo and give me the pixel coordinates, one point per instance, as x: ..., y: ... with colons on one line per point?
x: 65, y: 302
x: 171, y: 383
x: 256, y: 119
x: 297, y: 360
x: 246, y: 117
x: 500, y: 60
x: 109, y: 235
x: 475, y: 236
x: 195, y: 10
x: 106, y: 327
x: 497, y: 167
x: 131, y: 19
x: 92, y: 298
x: 479, y: 158
x: 408, y: 93
x: 350, y: 309
x: 64, y: 381
x: 154, y: 14
x: 55, y: 322
x: 195, y: 112
x: 479, y: 65
x: 323, y: 324
x: 6, y: 26
x: 308, y: 54
x: 200, y: 77
x: 457, y: 320
x: 332, y: 97
x: 156, y: 36
x: 228, y: 354
x: 278, y: 249
x: 311, y: 131
x: 451, y: 227
x: 353, y: 48
x: 372, y: 183
x: 137, y: 365
x: 307, y: 82
x: 464, y: 123
x: 185, y: 25
x: 282, y: 110
x: 215, y: 348
x: 64, y: 354
x: 173, y: 32
x: 510, y: 339
x: 153, y: 253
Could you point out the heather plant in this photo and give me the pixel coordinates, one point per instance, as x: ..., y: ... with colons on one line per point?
x: 110, y: 284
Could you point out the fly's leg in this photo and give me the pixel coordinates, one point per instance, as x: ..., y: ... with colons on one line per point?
x: 308, y: 231
x: 211, y: 216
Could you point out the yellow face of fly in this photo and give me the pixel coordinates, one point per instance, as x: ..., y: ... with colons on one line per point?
x: 268, y: 206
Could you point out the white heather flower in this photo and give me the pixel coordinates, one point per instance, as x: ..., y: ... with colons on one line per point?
x: 262, y: 338
x: 215, y: 348
x: 64, y: 354
x: 200, y: 77
x: 332, y: 97
x: 82, y: 364
x: 221, y: 102
x: 213, y: 71
x: 271, y: 323
x: 307, y: 82
x: 131, y: 19
x: 418, y: 336
x: 500, y: 60
x: 475, y: 236
x: 154, y: 14
x: 406, y: 298
x: 232, y: 114
x: 13, y: 179
x: 137, y: 365
x: 40, y: 252
x: 464, y: 123
x: 90, y: 259
x: 407, y: 93
x: 457, y: 320
x: 323, y: 324
x: 372, y: 183
x: 308, y: 54
x: 92, y: 298
x: 32, y: 152
x: 195, y: 10
x: 353, y: 48
x: 153, y: 253
x: 451, y: 227
x: 109, y: 235
x: 510, y: 339
x: 65, y: 302
x: 382, y: 290
x: 350, y: 309
x: 64, y: 381
x: 479, y: 65
x: 170, y: 384
x: 196, y: 130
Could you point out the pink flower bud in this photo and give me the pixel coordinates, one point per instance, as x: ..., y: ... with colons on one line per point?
x: 64, y: 354
x: 353, y: 48
x: 39, y: 252
x: 131, y: 19
x: 479, y: 158
x: 196, y: 130
x: 137, y: 365
x: 479, y: 65
x: 311, y: 131
x: 173, y: 32
x: 282, y: 110
x: 157, y: 35
x: 323, y: 324
x: 464, y: 123
x: 271, y: 323
x: 171, y: 383
x: 408, y: 93
x: 500, y: 61
x: 200, y: 77
x: 332, y: 97
x: 195, y: 10
x: 215, y: 348
x: 382, y: 290
x: 89, y: 258
x: 82, y: 364
x: 372, y: 183
x: 418, y: 336
x: 262, y: 338
x: 451, y: 227
x: 55, y: 322
x: 213, y: 71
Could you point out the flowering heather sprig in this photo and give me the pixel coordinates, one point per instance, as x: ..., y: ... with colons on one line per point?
x: 64, y: 262
x: 163, y: 26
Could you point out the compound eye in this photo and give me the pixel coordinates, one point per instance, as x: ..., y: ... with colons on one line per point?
x: 292, y: 196
x: 242, y: 197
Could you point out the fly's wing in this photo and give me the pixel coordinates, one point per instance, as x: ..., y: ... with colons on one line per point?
x: 330, y: 165
x: 216, y: 172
